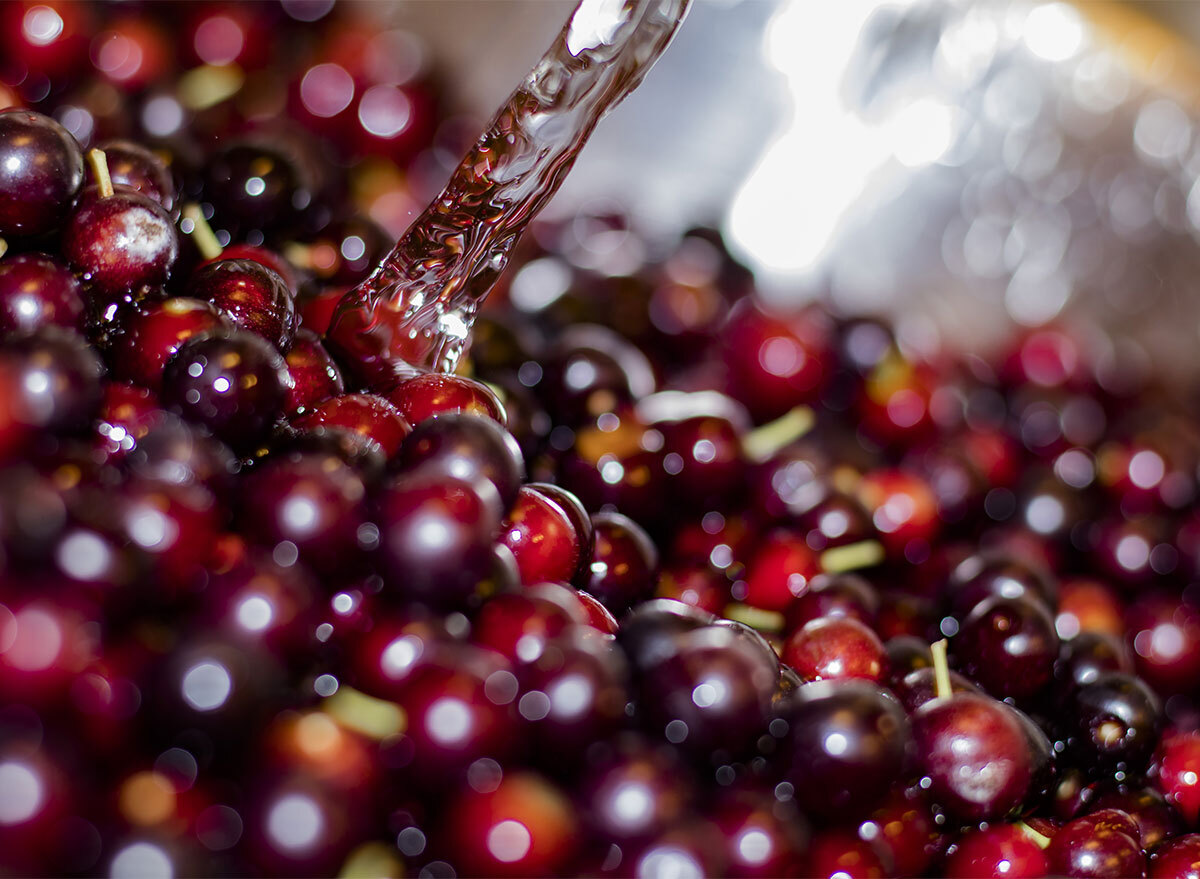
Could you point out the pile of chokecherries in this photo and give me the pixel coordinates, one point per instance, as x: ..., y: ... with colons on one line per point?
x: 663, y: 584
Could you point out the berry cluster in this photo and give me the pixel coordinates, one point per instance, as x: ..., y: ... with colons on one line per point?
x: 670, y: 584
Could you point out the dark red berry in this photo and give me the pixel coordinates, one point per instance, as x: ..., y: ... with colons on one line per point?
x: 975, y: 755
x: 1009, y: 646
x: 148, y: 336
x: 120, y: 243
x: 250, y: 296
x: 234, y: 384
x: 366, y: 414
x: 41, y: 171
x: 466, y: 447
x: 430, y: 395
x: 834, y: 648
x: 624, y: 562
x: 435, y: 536
x: 542, y: 537
x: 1003, y: 850
x: 131, y: 164
x: 37, y: 291
x: 848, y: 743
x: 315, y: 376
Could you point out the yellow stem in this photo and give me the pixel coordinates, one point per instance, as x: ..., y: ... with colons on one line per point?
x: 852, y: 557
x: 201, y: 232
x: 763, y: 442
x: 1040, y: 839
x: 99, y: 163
x: 941, y: 670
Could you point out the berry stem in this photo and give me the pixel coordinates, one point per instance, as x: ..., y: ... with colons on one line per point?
x: 941, y: 670
x: 366, y: 715
x: 756, y: 618
x: 852, y: 557
x: 1040, y: 839
x: 201, y: 232
x: 99, y: 163
x: 763, y: 442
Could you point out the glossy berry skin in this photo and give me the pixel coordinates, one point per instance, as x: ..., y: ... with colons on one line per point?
x: 466, y: 447
x: 702, y: 449
x: 315, y: 376
x: 258, y: 601
x: 1117, y: 721
x: 1156, y: 819
x: 579, y: 518
x: 41, y: 171
x: 906, y: 653
x: 624, y: 562
x: 1165, y: 635
x: 131, y: 164
x: 172, y: 701
x: 572, y: 695
x: 1177, y: 858
x: 920, y: 686
x: 711, y: 694
x: 37, y: 291
x: 316, y: 307
x: 230, y: 183
x: 317, y: 502
x: 149, y: 335
x: 431, y: 394
x: 599, y: 617
x: 780, y: 571
x: 347, y: 250
x: 975, y: 755
x: 1003, y: 576
x: 775, y: 363
x: 696, y: 584
x: 592, y: 370
x: 248, y: 295
x: 542, y: 537
x: 1009, y: 646
x: 366, y: 414
x: 762, y: 836
x: 1103, y: 844
x: 57, y: 380
x: 840, y: 595
x: 189, y: 518
x: 849, y: 743
x: 659, y: 781
x: 120, y: 243
x: 1090, y: 654
x: 905, y: 827
x: 519, y: 625
x: 839, y: 853
x: 833, y: 648
x: 452, y: 721
x: 236, y: 385
x: 647, y: 633
x: 629, y: 449
x: 524, y: 827
x: 1003, y: 850
x: 178, y: 453
x: 903, y: 509
x: 435, y: 536
x: 394, y: 645
x: 1176, y: 773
